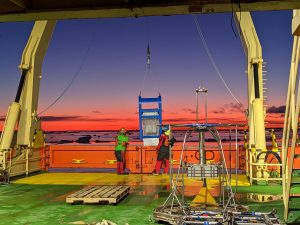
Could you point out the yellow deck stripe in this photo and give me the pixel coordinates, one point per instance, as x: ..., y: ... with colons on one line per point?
x: 114, y: 179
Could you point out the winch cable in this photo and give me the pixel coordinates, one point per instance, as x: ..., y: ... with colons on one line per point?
x: 148, y: 55
x: 84, y: 58
x: 211, y: 59
x: 147, y: 70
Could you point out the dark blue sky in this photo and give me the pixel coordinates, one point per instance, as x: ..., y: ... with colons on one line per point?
x: 112, y: 76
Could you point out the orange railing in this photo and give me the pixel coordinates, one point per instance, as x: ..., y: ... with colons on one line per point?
x: 139, y: 159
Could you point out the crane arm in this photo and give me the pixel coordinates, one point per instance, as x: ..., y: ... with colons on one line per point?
x: 256, y: 110
x: 31, y: 63
x: 23, y: 111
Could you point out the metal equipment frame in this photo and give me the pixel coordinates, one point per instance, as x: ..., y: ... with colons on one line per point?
x: 175, y: 208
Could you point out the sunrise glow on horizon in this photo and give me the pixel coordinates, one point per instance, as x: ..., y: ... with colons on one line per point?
x: 69, y: 123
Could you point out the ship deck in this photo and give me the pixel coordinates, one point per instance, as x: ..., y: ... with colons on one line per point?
x: 41, y: 199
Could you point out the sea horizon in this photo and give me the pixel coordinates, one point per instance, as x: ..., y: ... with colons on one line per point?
x: 108, y: 136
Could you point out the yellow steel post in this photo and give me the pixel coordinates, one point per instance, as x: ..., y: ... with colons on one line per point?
x: 291, y: 116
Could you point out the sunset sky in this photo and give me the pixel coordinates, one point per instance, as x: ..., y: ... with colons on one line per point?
x: 105, y: 93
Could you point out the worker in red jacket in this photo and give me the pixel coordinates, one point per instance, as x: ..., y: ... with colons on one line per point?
x: 163, y: 152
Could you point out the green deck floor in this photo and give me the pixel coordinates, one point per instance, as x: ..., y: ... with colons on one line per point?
x: 27, y: 203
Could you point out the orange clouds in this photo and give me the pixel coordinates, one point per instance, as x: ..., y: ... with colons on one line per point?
x: 229, y: 113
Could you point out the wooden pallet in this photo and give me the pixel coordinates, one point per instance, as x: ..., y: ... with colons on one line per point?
x: 104, y: 194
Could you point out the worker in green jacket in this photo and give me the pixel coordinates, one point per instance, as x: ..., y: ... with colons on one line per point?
x: 121, y: 144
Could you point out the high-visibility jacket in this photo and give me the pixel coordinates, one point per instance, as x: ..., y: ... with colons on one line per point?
x: 121, y: 142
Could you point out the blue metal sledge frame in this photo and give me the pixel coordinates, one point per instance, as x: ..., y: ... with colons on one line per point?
x: 158, y: 110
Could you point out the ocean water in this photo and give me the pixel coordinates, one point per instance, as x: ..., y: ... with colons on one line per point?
x: 102, y: 137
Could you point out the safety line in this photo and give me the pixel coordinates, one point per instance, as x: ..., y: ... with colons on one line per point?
x: 74, y: 77
x: 212, y: 59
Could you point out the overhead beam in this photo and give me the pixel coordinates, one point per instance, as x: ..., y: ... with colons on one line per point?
x: 19, y: 3
x: 75, y: 9
x: 296, y: 23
